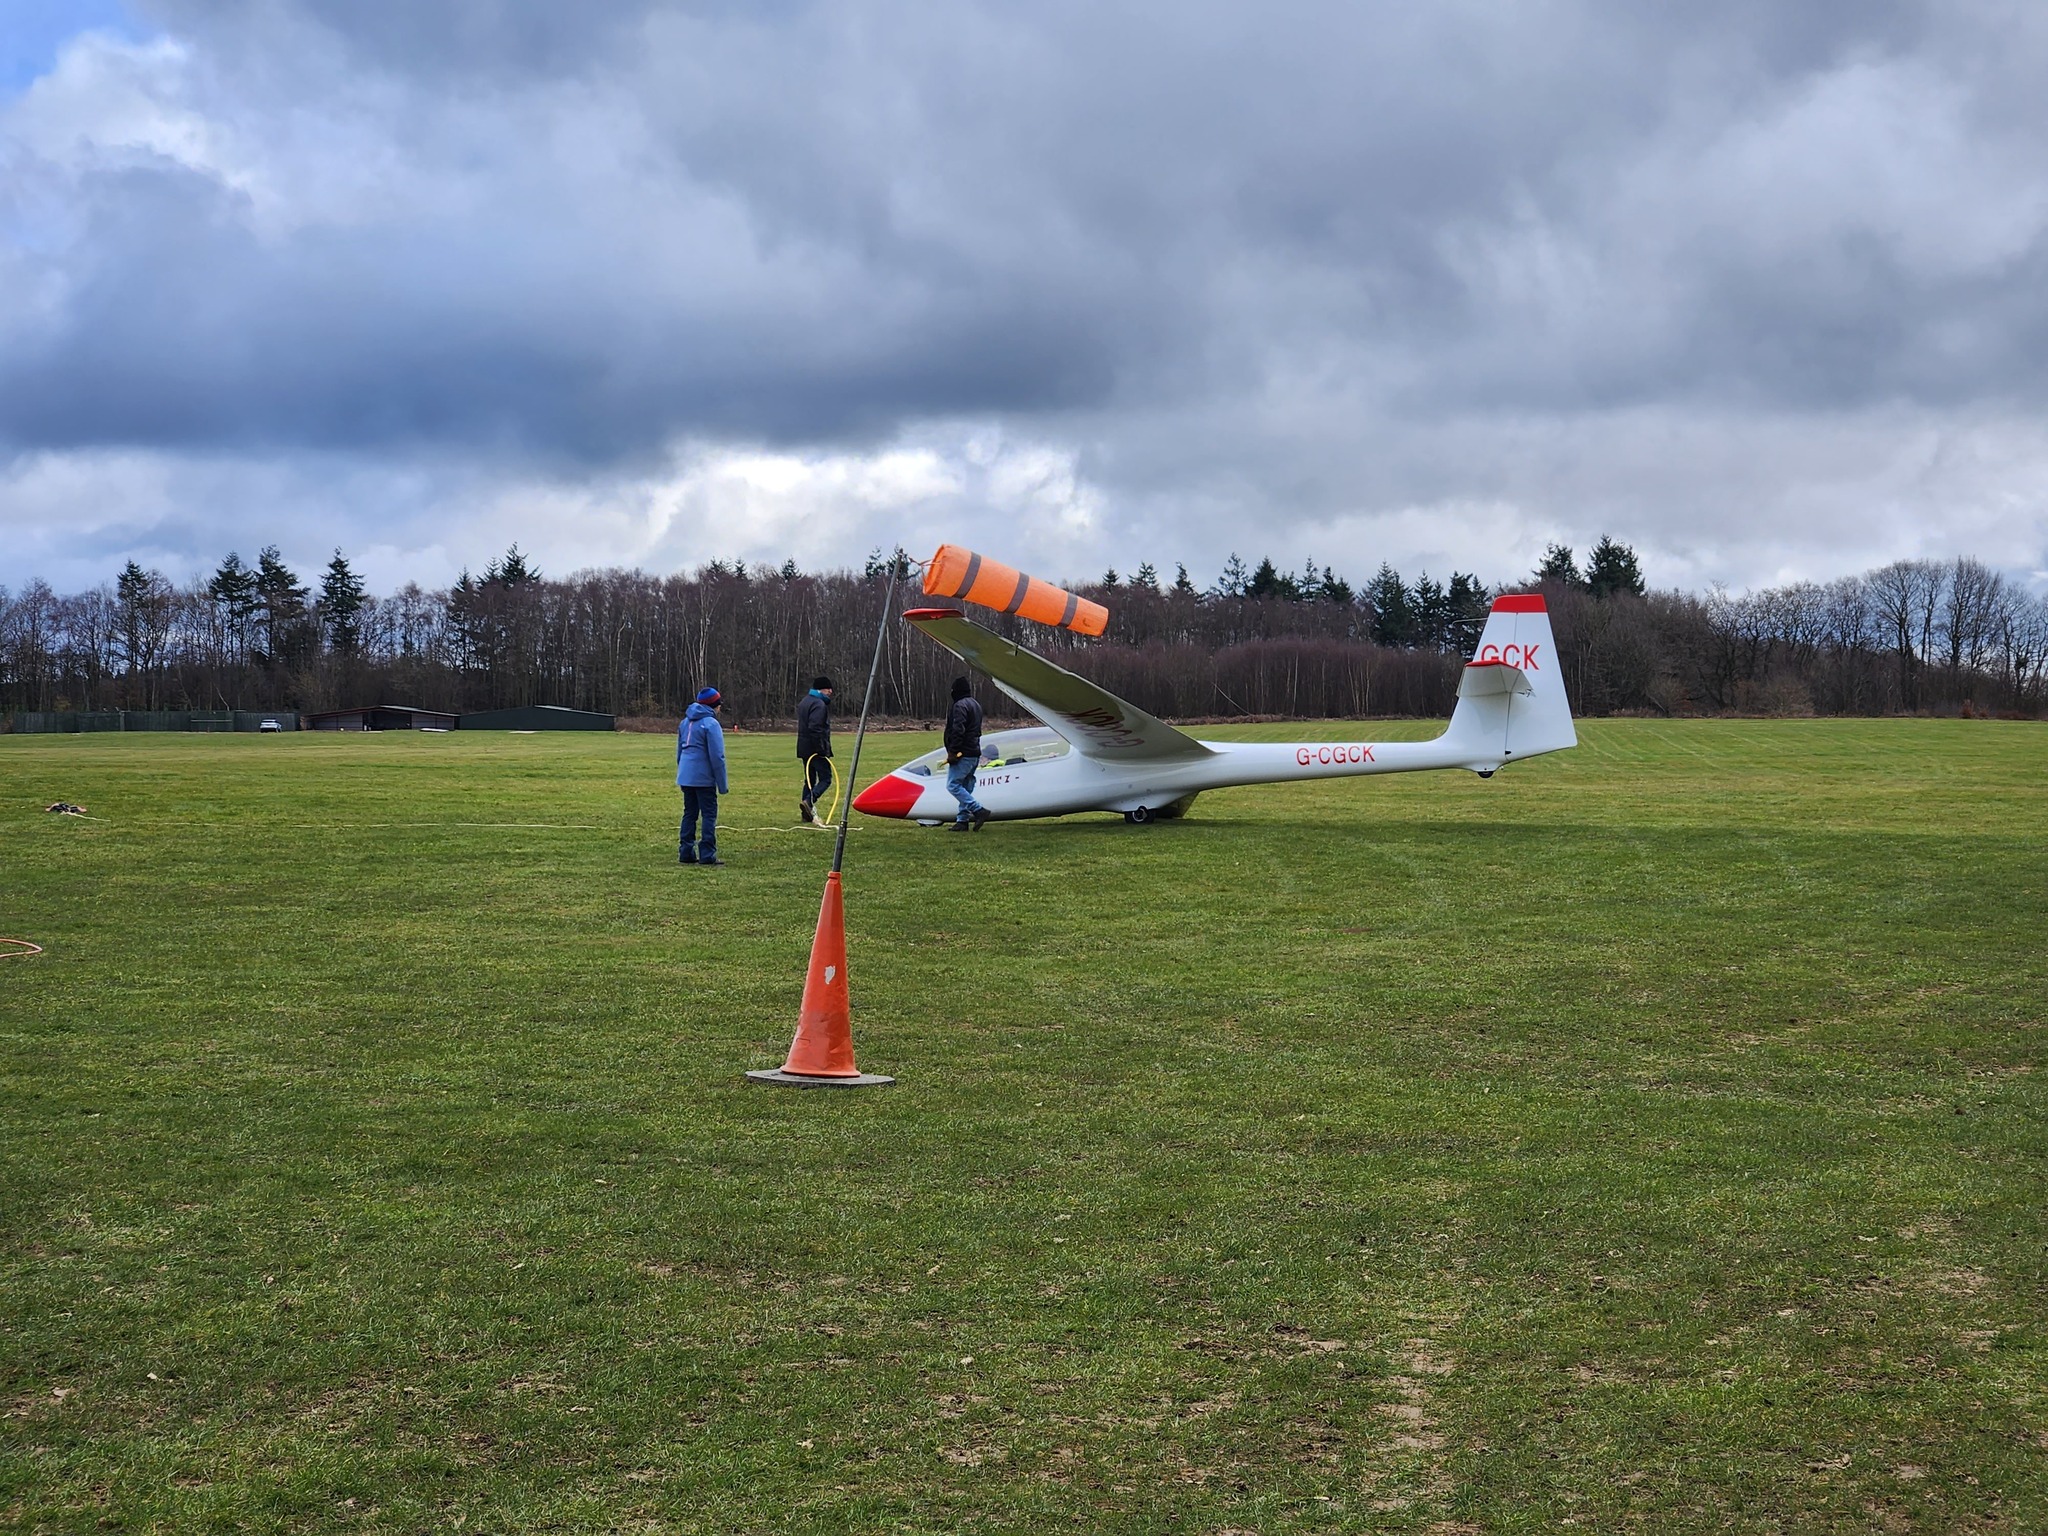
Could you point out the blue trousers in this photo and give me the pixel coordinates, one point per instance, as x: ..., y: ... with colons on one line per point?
x: 960, y: 783
x: 700, y: 803
x: 818, y: 779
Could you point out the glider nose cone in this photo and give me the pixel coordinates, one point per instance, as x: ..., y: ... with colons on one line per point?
x: 888, y: 796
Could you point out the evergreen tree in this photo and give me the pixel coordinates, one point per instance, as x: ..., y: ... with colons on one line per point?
x: 511, y: 572
x: 1392, y: 623
x: 789, y: 571
x: 1182, y: 582
x: 341, y: 605
x: 283, y: 602
x: 1265, y: 581
x: 1559, y: 566
x: 132, y: 593
x: 1429, y: 614
x: 1613, y: 569
x: 878, y: 563
x: 465, y: 619
x: 1147, y: 579
x: 1110, y: 577
x: 1235, y: 578
x: 1308, y: 586
x: 232, y: 591
x: 1335, y: 589
x: 1468, y: 606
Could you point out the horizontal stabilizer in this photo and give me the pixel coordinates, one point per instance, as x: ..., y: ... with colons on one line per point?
x: 1488, y: 679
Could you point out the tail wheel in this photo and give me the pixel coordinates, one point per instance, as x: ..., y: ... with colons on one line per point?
x: 1140, y: 816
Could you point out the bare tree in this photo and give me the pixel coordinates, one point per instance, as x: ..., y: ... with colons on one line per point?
x: 1906, y: 595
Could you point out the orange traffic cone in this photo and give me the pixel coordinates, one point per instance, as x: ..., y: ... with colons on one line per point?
x: 821, y: 1056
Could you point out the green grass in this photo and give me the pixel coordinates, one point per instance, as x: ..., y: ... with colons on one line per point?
x: 1649, y: 1139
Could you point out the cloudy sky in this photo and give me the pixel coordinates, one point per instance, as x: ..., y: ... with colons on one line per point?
x: 1759, y: 288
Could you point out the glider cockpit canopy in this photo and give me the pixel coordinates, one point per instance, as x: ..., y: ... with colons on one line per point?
x: 1003, y: 749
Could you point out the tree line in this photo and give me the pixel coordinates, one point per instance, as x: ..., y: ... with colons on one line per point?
x: 1913, y: 636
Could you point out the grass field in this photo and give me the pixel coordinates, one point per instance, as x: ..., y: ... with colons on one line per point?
x: 1651, y: 1139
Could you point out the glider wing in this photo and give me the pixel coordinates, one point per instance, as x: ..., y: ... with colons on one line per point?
x: 1096, y: 721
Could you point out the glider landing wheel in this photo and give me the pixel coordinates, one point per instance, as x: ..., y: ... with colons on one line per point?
x: 1140, y: 816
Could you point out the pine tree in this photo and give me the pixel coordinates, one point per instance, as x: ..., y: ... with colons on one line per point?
x: 1335, y: 589
x: 132, y: 590
x: 1468, y: 610
x: 1183, y: 583
x: 1613, y: 569
x: 1147, y: 579
x: 878, y: 564
x: 232, y: 591
x: 1235, y: 578
x: 465, y: 618
x: 1429, y: 614
x: 283, y: 602
x: 1392, y: 623
x: 1110, y: 577
x: 1308, y: 586
x: 341, y: 605
x: 512, y: 571
x: 1559, y: 566
x: 1265, y: 581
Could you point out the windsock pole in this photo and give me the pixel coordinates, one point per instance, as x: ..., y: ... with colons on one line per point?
x: 821, y: 1056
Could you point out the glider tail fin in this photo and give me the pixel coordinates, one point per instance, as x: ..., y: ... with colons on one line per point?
x: 1511, y: 698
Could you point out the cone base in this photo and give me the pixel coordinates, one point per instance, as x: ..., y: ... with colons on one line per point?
x: 799, y: 1080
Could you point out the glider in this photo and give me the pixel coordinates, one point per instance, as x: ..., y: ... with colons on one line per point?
x: 1095, y: 752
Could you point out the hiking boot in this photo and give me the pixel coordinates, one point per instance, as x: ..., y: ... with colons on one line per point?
x: 979, y: 817
x: 959, y: 826
x: 686, y: 858
x: 804, y: 810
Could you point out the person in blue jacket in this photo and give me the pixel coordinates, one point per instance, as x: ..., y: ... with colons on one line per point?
x: 700, y: 775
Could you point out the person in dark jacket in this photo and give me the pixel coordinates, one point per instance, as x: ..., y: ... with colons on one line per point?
x: 700, y: 775
x: 814, y: 743
x: 963, y: 755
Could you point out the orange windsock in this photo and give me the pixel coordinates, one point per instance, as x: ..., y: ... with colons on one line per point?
x: 957, y: 572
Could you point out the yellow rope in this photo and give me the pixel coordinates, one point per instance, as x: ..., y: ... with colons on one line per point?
x: 831, y: 773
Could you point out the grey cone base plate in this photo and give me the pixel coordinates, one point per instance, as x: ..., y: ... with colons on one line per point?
x: 798, y: 1080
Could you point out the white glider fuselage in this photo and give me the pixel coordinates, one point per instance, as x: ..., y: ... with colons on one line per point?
x: 1098, y: 753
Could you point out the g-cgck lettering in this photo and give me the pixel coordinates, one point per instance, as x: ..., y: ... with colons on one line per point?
x: 1523, y: 656
x: 1348, y: 754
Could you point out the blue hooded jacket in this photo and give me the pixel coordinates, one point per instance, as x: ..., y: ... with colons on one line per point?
x: 700, y: 750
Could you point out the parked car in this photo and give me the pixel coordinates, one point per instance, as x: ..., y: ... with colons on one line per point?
x: 270, y: 723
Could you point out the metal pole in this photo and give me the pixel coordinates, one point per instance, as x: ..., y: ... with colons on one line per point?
x: 860, y: 734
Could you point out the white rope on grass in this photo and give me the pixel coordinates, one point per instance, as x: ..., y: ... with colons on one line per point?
x: 22, y: 953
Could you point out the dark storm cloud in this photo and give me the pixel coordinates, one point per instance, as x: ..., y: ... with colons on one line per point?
x: 975, y: 210
x: 183, y: 327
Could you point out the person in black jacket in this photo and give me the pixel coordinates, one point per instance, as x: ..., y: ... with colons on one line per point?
x: 963, y: 755
x: 814, y: 743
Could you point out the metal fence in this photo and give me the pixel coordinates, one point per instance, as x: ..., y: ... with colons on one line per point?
x: 64, y: 721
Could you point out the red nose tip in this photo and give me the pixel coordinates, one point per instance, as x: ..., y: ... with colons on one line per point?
x: 888, y: 796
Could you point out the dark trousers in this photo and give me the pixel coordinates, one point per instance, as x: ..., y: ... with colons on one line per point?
x: 817, y: 778
x: 696, y: 803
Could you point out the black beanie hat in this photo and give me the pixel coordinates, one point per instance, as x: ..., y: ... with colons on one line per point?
x: 961, y: 688
x: 821, y: 682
